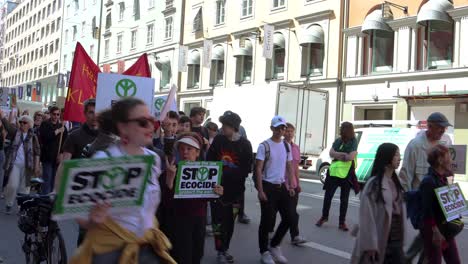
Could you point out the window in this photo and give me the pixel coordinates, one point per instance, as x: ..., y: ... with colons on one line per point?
x: 198, y: 20
x: 75, y: 31
x: 217, y: 72
x: 106, y: 47
x: 439, y: 45
x: 150, y: 3
x: 66, y: 36
x: 133, y: 40
x: 380, y: 54
x: 149, y: 34
x: 278, y: 3
x: 220, y: 11
x: 119, y: 43
x: 244, y: 61
x: 312, y: 59
x: 136, y: 9
x: 168, y: 28
x: 108, y: 19
x: 193, y: 81
x: 279, y: 54
x: 76, y: 5
x: 121, y: 11
x: 165, y: 75
x: 65, y: 62
x: 83, y: 26
x: 247, y: 7
x: 91, y: 51
x: 189, y: 105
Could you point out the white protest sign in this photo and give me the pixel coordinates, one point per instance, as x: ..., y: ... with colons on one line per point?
x: 4, y: 94
x: 165, y: 103
x: 183, y: 58
x: 268, y: 41
x: 112, y: 87
x: 197, y: 179
x: 458, y: 156
x: 207, y: 50
x: 121, y: 181
x: 451, y: 201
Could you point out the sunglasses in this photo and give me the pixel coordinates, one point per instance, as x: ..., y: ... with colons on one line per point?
x: 280, y: 128
x: 144, y: 122
x: 55, y: 114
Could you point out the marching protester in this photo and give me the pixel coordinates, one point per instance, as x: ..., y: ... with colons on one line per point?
x: 273, y: 161
x: 296, y: 239
x: 52, y: 135
x: 105, y: 136
x: 186, y: 228
x: 197, y: 116
x: 22, y: 161
x: 3, y: 134
x: 415, y: 164
x: 129, y: 235
x: 236, y: 154
x: 341, y: 174
x: 382, y: 212
x: 212, y: 131
x: 38, y: 118
x: 185, y: 124
x: 438, y: 234
x: 169, y: 127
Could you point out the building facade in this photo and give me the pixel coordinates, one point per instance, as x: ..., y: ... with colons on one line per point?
x: 233, y: 74
x: 31, y: 51
x: 406, y: 59
x: 133, y: 27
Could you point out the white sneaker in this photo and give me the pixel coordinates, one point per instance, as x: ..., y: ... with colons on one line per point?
x: 266, y: 258
x: 278, y: 255
x: 298, y: 240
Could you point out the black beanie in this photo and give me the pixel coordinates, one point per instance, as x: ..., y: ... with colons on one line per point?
x: 231, y: 119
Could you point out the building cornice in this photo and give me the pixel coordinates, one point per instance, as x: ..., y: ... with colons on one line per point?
x: 352, y: 31
x: 458, y: 12
x: 280, y: 24
x: 220, y: 38
x: 169, y: 11
x: 326, y: 14
x: 403, y: 22
x: 245, y: 31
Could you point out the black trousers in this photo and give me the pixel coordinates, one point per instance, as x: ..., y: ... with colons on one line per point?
x: 188, y: 239
x: 242, y: 202
x: 223, y: 216
x: 278, y: 201
x: 294, y: 228
x: 330, y: 188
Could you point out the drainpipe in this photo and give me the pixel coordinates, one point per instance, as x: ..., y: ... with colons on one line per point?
x: 344, y: 14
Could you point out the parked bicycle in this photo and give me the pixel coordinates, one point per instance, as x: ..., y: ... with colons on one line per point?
x: 43, y: 240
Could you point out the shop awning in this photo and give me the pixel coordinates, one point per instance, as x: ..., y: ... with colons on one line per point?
x: 436, y: 95
x: 194, y: 58
x: 244, y: 51
x: 278, y: 40
x: 218, y: 53
x: 313, y: 34
x: 161, y: 61
x: 197, y: 21
x: 375, y: 21
x: 435, y: 10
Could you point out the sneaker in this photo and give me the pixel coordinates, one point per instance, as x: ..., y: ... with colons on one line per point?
x: 278, y: 255
x: 229, y: 257
x: 221, y: 259
x: 244, y: 219
x: 321, y: 221
x: 298, y: 240
x: 343, y: 227
x: 266, y: 258
x: 8, y: 210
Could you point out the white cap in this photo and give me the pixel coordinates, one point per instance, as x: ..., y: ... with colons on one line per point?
x: 189, y: 141
x: 278, y: 121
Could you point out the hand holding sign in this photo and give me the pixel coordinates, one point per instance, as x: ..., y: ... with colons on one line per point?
x: 99, y: 213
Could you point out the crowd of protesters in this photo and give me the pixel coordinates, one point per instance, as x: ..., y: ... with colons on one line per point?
x: 168, y: 230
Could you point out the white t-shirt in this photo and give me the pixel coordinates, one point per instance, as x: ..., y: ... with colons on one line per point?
x: 275, y: 167
x: 138, y: 219
x: 20, y: 154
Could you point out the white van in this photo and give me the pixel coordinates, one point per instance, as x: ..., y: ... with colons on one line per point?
x: 369, y: 139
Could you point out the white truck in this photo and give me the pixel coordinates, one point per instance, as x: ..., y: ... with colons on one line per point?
x: 304, y: 108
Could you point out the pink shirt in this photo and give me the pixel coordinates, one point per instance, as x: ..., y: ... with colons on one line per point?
x: 296, y: 159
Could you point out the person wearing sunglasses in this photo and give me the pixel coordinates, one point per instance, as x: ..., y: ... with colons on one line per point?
x: 123, y: 236
x: 52, y: 135
x: 22, y: 162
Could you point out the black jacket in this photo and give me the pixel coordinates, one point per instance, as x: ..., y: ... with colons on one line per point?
x: 49, y: 141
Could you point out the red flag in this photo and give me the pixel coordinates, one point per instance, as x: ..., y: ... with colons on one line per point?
x: 82, y: 85
x: 140, y: 68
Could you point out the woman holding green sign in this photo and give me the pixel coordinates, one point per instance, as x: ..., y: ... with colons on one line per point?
x: 130, y: 235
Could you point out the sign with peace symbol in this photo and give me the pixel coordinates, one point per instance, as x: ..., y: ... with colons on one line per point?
x: 125, y: 88
x: 197, y: 179
x: 159, y: 103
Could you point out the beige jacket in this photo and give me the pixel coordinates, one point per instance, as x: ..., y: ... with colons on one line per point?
x: 415, y: 165
x: 374, y: 222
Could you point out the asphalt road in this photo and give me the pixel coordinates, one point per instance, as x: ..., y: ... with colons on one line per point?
x: 326, y: 245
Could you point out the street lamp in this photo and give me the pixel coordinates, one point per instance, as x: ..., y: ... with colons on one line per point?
x: 387, y: 12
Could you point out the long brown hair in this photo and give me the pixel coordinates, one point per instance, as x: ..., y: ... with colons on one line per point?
x: 347, y: 132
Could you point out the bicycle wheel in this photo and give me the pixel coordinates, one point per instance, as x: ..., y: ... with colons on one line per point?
x: 31, y: 255
x: 57, y: 252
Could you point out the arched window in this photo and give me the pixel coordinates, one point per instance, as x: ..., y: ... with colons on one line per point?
x: 193, y: 70
x: 312, y: 42
x: 217, y: 66
x: 164, y: 67
x: 244, y: 62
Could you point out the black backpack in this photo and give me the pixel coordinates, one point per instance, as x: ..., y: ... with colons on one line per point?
x: 267, y: 157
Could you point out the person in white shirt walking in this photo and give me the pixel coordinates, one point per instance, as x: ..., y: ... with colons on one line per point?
x: 272, y: 162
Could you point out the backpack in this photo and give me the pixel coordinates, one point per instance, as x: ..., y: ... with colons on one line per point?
x: 267, y: 157
x: 414, y: 207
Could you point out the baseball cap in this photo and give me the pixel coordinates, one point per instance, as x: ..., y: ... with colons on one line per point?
x: 278, y: 121
x: 438, y: 118
x: 231, y: 119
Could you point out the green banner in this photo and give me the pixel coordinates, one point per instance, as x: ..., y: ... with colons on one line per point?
x: 197, y: 179
x: 84, y: 182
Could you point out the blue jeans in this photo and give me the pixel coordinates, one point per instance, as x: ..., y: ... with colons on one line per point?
x: 49, y: 169
x: 2, y: 171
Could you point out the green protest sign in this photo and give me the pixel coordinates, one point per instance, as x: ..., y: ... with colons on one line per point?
x: 125, y: 88
x: 120, y: 181
x: 451, y: 201
x: 197, y: 179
